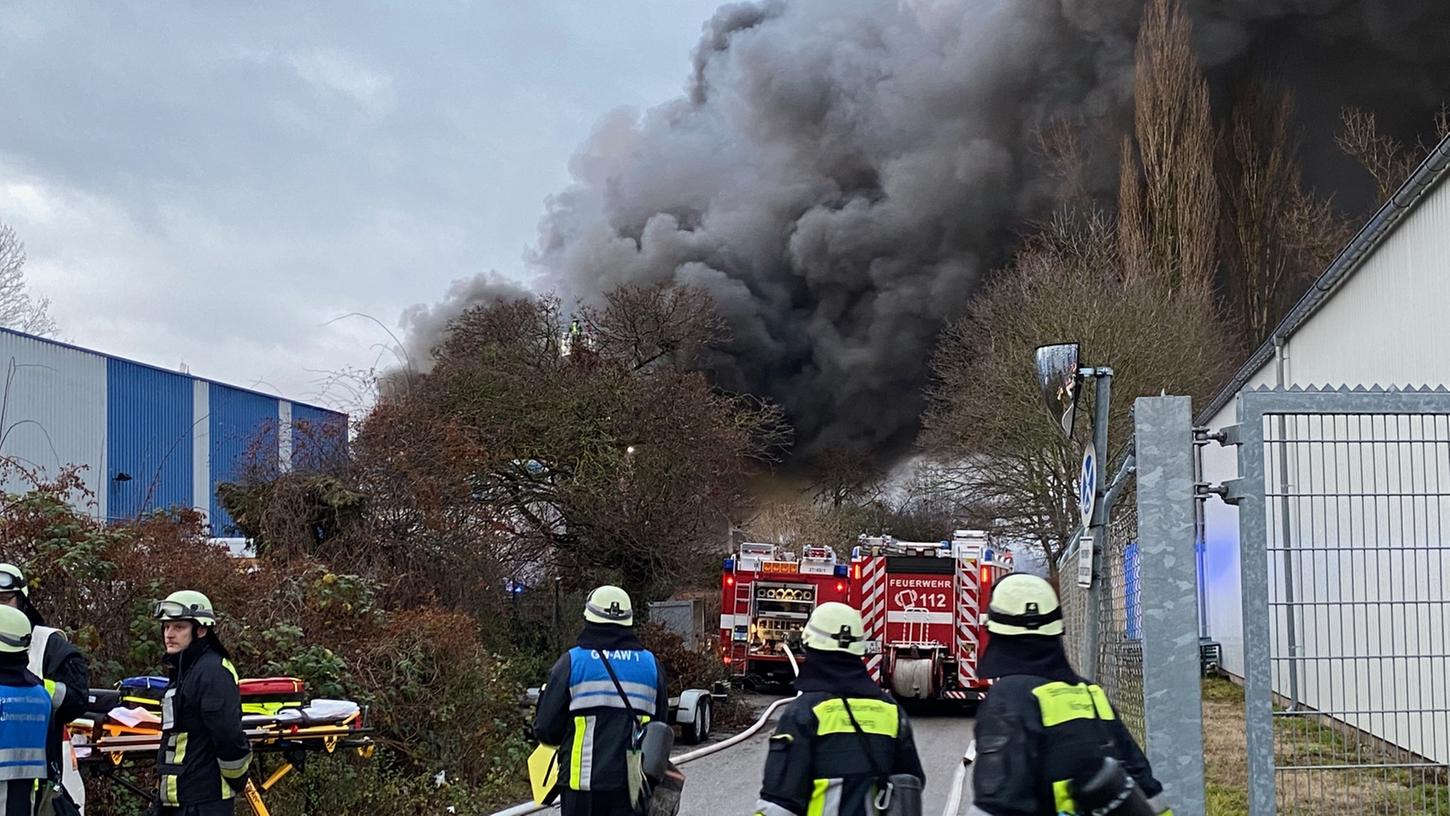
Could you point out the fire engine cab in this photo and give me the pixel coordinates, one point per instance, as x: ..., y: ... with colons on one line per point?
x: 767, y: 593
x: 924, y: 605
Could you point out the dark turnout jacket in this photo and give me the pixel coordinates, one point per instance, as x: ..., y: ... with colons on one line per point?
x: 1041, y: 727
x: 818, y: 763
x: 204, y: 752
x: 581, y: 711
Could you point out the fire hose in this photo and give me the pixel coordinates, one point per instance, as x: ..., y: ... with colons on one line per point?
x: 755, y: 727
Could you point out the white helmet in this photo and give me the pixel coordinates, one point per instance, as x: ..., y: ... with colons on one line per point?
x: 1024, y: 604
x: 13, y: 580
x: 835, y: 627
x: 609, y: 604
x: 14, y: 630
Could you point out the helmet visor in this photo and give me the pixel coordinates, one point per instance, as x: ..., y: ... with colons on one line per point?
x: 22, y: 642
x: 10, y: 582
x: 174, y: 610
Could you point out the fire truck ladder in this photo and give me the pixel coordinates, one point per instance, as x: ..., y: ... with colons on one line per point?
x: 744, y: 593
x: 917, y: 620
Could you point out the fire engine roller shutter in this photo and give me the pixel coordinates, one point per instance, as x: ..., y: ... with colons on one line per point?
x: 920, y: 564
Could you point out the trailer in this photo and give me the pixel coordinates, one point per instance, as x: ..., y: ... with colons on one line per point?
x: 924, y: 607
x: 767, y: 593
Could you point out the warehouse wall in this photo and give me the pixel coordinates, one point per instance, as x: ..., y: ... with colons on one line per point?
x: 53, y: 412
x: 1384, y: 327
x: 170, y: 437
x: 148, y: 438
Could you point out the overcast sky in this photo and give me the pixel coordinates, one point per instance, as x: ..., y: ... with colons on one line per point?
x: 211, y: 183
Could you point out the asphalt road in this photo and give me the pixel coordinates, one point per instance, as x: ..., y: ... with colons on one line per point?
x: 728, y: 783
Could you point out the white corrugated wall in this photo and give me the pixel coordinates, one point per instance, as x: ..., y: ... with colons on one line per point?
x: 1388, y: 324
x: 54, y: 411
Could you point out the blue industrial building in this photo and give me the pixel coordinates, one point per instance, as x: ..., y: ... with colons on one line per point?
x: 146, y: 438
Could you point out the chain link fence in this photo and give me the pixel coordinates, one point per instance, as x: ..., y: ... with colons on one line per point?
x: 1119, y: 630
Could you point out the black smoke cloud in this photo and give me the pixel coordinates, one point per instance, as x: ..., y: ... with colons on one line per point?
x: 840, y: 174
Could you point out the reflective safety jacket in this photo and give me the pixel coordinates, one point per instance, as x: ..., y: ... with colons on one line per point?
x: 204, y: 752
x: 818, y: 765
x: 1035, y: 735
x: 26, y: 711
x: 581, y: 711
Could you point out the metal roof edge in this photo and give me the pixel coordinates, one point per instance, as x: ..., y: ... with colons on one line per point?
x: 1386, y: 219
x: 188, y: 375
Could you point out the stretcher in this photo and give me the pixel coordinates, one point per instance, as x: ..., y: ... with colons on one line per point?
x: 114, y: 737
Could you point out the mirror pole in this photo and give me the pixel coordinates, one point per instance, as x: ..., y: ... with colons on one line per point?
x: 1102, y: 396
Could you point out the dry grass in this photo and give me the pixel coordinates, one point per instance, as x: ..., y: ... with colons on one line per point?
x: 1301, y: 741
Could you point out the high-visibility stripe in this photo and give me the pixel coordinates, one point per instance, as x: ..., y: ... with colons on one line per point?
x: 232, y: 670
x: 168, y: 790
x: 1061, y: 702
x: 874, y: 716
x: 233, y: 768
x: 576, y: 753
x: 1062, y: 797
x: 611, y: 699
x: 592, y: 686
x: 586, y: 756
x: 825, y: 798
x: 764, y: 808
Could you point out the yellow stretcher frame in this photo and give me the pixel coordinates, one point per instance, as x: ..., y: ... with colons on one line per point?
x: 115, y: 749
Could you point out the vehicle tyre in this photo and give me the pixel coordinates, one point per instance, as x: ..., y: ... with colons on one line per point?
x: 695, y: 731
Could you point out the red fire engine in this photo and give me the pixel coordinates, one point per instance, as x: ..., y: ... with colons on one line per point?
x: 766, y: 596
x: 924, y: 607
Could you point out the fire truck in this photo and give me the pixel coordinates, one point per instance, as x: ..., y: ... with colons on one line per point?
x: 767, y: 593
x: 924, y: 605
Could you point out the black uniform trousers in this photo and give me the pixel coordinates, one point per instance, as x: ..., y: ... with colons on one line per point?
x: 595, y: 803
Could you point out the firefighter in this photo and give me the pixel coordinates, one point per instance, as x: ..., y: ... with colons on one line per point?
x: 52, y: 657
x: 843, y: 736
x: 204, y: 755
x: 583, y: 711
x: 30, y: 705
x: 1048, y: 741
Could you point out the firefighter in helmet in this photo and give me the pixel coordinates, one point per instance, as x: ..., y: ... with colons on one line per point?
x: 839, y: 743
x: 1048, y: 741
x: 52, y: 657
x: 599, y: 695
x: 30, y: 707
x: 204, y: 755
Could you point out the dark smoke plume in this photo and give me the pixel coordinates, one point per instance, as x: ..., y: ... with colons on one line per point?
x: 840, y: 174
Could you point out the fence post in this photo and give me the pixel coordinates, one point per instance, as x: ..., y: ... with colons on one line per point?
x: 1168, y: 583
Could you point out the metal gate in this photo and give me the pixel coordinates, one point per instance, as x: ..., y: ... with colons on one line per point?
x: 1344, y: 520
x: 1134, y: 629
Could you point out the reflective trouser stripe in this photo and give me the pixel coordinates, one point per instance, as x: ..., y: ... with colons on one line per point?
x: 764, y: 808
x: 825, y: 798
x: 168, y: 790
x: 581, y: 754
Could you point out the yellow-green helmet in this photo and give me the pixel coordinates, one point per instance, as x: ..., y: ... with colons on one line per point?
x: 1024, y: 604
x: 188, y: 604
x: 14, y: 630
x: 13, y: 580
x: 835, y: 627
x: 609, y: 604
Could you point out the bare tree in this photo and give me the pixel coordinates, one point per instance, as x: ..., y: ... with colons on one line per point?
x: 1136, y: 291
x: 1168, y: 194
x: 18, y: 310
x: 1388, y: 160
x: 1277, y: 235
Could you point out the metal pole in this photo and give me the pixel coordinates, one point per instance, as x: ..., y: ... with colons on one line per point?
x: 1281, y: 357
x: 1103, y: 378
x: 1168, y: 578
